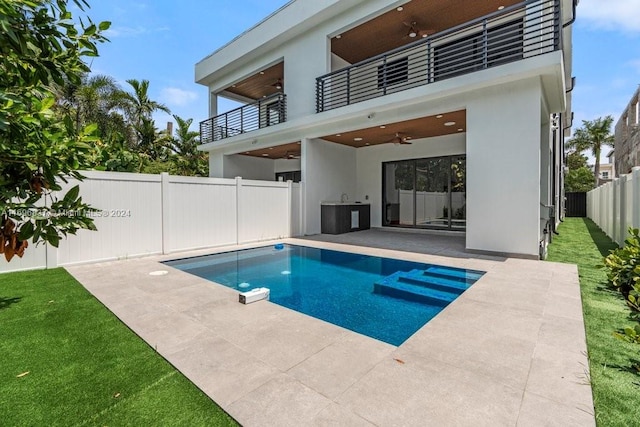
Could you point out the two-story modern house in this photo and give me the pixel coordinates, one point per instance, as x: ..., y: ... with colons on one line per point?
x: 441, y: 114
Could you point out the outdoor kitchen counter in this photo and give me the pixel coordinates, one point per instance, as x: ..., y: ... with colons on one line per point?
x: 343, y: 217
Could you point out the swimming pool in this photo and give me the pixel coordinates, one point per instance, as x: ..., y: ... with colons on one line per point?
x: 386, y: 299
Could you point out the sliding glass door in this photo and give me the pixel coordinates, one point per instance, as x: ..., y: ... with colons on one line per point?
x: 425, y: 193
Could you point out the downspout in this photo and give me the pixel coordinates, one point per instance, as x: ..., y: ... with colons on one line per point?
x: 573, y: 18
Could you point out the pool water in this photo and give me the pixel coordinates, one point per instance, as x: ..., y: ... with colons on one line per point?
x: 386, y: 299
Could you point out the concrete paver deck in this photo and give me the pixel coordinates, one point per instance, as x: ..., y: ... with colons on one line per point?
x: 509, y: 351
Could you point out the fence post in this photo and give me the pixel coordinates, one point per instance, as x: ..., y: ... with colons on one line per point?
x: 238, y: 207
x: 622, y: 198
x: 635, y: 197
x: 615, y: 225
x: 164, y: 213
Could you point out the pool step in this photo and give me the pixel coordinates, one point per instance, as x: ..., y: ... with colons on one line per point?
x: 461, y: 275
x: 414, y: 286
x: 420, y: 278
x: 414, y: 293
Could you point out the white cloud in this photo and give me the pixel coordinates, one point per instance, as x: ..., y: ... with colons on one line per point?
x: 177, y: 97
x: 611, y: 14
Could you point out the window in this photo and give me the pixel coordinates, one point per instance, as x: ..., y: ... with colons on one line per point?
x: 295, y: 176
x: 605, y: 175
x: 393, y: 72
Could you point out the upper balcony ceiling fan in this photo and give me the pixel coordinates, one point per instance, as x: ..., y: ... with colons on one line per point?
x: 415, y: 32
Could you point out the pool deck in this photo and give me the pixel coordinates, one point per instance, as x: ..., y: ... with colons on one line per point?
x: 509, y: 351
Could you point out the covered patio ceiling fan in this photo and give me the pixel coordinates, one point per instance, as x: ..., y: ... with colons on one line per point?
x: 400, y: 139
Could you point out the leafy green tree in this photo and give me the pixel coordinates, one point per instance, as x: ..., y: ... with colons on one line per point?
x: 41, y: 45
x: 576, y: 160
x: 579, y: 180
x: 592, y: 136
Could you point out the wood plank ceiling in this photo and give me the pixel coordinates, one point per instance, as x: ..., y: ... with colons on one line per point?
x: 391, y: 29
x: 406, y: 131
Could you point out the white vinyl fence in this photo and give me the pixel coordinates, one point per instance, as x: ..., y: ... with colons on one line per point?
x: 615, y: 206
x: 142, y: 214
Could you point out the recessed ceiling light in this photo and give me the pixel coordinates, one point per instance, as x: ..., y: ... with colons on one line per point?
x: 338, y: 134
x: 246, y: 152
x: 339, y: 36
x: 439, y: 116
x: 298, y: 143
x: 383, y: 127
x: 357, y: 139
x: 408, y: 137
x: 400, y: 8
x: 233, y: 85
x: 460, y: 130
x: 500, y: 7
x: 264, y: 96
x: 265, y: 155
x: 424, y: 36
x: 366, y: 143
x: 262, y: 72
x: 450, y: 123
x: 270, y: 148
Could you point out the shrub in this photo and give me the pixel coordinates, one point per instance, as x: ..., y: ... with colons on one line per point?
x: 623, y: 264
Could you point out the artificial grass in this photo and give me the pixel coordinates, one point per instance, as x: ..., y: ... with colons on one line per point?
x: 84, y: 366
x: 615, y: 383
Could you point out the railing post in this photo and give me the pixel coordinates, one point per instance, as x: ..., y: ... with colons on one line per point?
x: 384, y: 75
x: 485, y: 45
x: 428, y: 60
x: 242, y: 120
x: 348, y: 86
x: 226, y: 125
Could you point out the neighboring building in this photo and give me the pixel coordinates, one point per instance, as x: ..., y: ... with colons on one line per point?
x: 442, y: 114
x: 627, y: 137
x: 607, y: 170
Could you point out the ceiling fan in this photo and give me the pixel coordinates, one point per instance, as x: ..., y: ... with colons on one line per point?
x: 415, y: 31
x: 400, y: 139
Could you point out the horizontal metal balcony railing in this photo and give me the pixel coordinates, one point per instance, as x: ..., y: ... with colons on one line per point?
x: 517, y: 32
x: 268, y: 111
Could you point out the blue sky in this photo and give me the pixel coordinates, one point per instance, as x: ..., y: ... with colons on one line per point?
x: 161, y: 40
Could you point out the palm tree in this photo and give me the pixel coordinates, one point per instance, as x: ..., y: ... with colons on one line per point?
x: 592, y: 136
x: 96, y: 99
x: 189, y: 160
x: 138, y: 108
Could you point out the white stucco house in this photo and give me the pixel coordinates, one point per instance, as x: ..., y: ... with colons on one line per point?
x: 440, y: 114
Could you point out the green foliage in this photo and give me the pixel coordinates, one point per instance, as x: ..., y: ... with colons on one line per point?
x: 579, y: 180
x: 41, y: 45
x: 576, y: 160
x: 623, y: 264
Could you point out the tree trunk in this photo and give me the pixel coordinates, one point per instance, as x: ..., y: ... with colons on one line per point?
x: 596, y: 170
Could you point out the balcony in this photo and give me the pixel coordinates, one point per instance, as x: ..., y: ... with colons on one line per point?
x: 512, y: 34
x: 267, y: 111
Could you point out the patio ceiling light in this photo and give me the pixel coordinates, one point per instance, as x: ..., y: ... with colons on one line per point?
x: 265, y: 155
x: 357, y: 139
x: 460, y: 130
x: 500, y: 7
x: 439, y: 116
x: 400, y: 8
x: 383, y: 127
x: 450, y: 123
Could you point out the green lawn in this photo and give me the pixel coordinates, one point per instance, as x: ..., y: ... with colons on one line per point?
x: 84, y: 366
x: 616, y: 386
